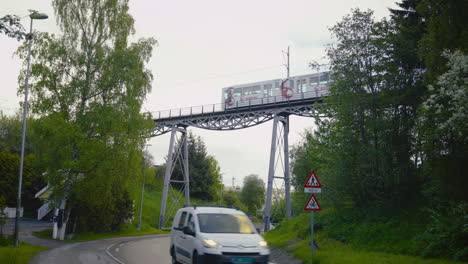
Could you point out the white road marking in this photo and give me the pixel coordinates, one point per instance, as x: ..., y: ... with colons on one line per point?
x: 110, y: 255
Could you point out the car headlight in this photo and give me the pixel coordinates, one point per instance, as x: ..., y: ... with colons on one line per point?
x: 210, y: 243
x: 263, y: 244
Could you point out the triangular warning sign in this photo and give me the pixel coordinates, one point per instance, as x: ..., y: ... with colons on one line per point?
x: 312, y: 204
x: 312, y: 181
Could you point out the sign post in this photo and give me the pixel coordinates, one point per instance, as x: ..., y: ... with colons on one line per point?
x: 312, y: 185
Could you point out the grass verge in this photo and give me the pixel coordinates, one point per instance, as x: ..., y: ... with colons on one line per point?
x: 293, y: 236
x: 127, y: 230
x: 19, y: 255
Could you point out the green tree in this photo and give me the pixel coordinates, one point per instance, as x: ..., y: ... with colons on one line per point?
x: 443, y: 125
x: 87, y: 88
x: 253, y: 193
x: 10, y: 25
x: 446, y: 30
x: 204, y: 171
x: 366, y: 143
x: 10, y: 134
x: 231, y: 199
x: 33, y: 181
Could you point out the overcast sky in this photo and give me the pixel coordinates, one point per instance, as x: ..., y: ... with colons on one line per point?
x: 206, y: 45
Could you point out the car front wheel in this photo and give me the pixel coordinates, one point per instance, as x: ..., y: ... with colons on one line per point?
x: 174, y: 260
x: 195, y: 258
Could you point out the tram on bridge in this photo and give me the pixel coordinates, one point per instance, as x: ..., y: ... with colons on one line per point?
x: 278, y: 90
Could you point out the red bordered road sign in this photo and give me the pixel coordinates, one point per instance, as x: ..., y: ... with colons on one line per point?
x: 312, y: 204
x: 312, y: 181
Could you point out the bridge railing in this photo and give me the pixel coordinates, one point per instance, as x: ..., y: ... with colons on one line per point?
x: 216, y: 108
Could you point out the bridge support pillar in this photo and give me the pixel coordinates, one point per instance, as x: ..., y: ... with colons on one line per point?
x: 278, y: 140
x: 177, y: 155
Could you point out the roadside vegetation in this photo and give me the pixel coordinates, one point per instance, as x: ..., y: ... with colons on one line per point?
x: 19, y: 255
x: 391, y: 242
x: 392, y: 152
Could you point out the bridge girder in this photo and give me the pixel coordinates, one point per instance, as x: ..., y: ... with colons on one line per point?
x: 232, y: 119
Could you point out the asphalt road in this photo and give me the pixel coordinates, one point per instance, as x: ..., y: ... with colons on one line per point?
x: 142, y: 251
x: 152, y: 249
x: 109, y: 251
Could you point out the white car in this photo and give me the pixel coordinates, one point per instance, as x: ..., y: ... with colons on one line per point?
x: 202, y: 234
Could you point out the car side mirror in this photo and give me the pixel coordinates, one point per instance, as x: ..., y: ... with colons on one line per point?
x: 188, y: 231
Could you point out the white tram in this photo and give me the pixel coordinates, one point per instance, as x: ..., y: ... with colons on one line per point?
x: 272, y: 91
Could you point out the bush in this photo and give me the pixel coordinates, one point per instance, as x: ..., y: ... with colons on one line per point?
x: 447, y: 233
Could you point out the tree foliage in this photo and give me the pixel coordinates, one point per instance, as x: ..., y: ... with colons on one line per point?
x: 33, y: 181
x: 11, y: 26
x: 10, y: 134
x: 371, y: 113
x: 395, y: 133
x: 87, y: 88
x: 253, y: 193
x: 204, y: 171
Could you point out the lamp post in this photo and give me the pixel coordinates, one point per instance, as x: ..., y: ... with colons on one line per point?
x: 142, y: 190
x: 39, y: 16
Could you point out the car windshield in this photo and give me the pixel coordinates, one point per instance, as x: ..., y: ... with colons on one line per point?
x: 225, y: 223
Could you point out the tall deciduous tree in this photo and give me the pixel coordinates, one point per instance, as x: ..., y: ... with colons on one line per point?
x: 371, y: 114
x: 253, y: 193
x: 87, y: 87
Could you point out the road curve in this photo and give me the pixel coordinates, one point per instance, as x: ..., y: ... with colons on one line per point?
x: 91, y: 252
x: 148, y: 250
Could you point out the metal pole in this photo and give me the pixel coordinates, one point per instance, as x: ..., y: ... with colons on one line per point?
x: 288, y: 62
x: 23, y: 137
x: 143, y: 190
x: 167, y: 177
x: 186, y: 168
x: 142, y: 197
x: 287, y: 184
x: 312, y: 233
x: 271, y: 175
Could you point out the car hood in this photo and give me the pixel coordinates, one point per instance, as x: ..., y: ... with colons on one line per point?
x: 235, y: 240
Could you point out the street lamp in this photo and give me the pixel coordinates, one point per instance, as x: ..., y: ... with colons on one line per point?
x: 143, y: 190
x: 38, y: 16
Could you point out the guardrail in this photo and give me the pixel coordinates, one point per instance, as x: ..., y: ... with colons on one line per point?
x: 216, y: 108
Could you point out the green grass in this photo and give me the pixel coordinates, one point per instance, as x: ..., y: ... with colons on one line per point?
x: 335, y: 252
x: 20, y: 255
x: 127, y: 230
x: 293, y: 236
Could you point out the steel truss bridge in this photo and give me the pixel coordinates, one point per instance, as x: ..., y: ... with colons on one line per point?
x: 219, y: 117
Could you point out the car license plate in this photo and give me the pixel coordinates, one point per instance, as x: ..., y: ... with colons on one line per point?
x: 242, y: 260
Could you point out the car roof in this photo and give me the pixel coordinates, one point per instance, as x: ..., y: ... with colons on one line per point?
x: 212, y: 210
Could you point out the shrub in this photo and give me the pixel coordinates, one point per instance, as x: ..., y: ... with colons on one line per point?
x: 447, y: 233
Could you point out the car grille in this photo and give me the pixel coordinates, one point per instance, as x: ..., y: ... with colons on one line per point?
x: 241, y: 253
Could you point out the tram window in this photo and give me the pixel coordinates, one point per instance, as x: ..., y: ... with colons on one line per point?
x: 256, y: 89
x: 277, y: 84
x: 313, y: 80
x: 301, y: 86
x: 237, y: 91
x: 246, y: 91
x: 267, y: 90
